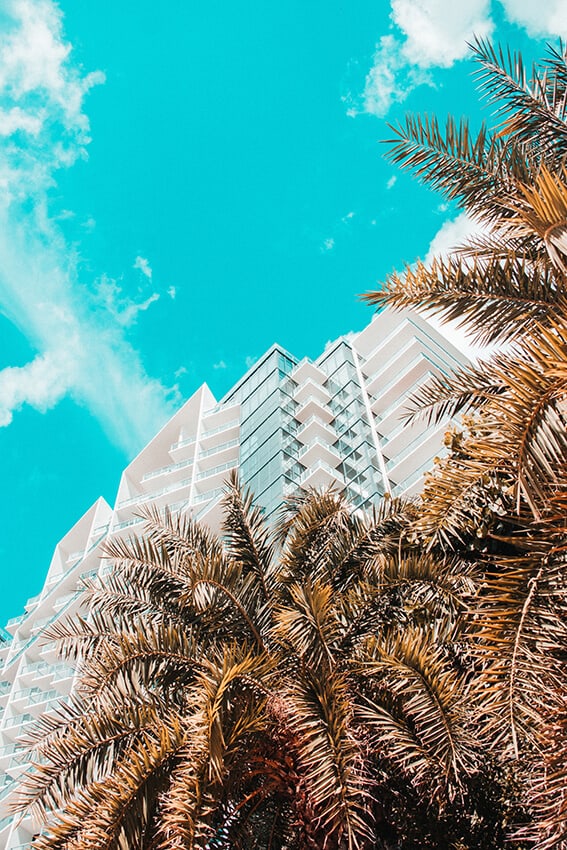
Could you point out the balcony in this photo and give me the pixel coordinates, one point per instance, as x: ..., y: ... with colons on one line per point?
x: 217, y: 470
x: 75, y: 556
x: 127, y: 523
x: 206, y: 497
x: 59, y: 603
x: 16, y: 722
x: 38, y: 668
x: 166, y: 470
x: 308, y: 389
x: 25, y: 694
x: 313, y: 427
x: 320, y: 474
x: 313, y: 406
x: 61, y: 672
x: 180, y: 444
x: 212, y: 432
x: 9, y: 750
x: 14, y: 622
x: 318, y: 449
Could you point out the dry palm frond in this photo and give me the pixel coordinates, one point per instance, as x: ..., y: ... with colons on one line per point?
x: 308, y: 525
x: 534, y: 107
x: 309, y: 624
x: 542, y: 211
x: 329, y: 757
x: 247, y: 538
x: 518, y: 634
x: 547, y: 786
x: 81, y: 746
x: 454, y: 162
x: 415, y: 705
x: 495, y: 292
x: 109, y: 812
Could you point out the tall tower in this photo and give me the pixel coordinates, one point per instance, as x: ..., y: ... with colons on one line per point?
x: 287, y: 424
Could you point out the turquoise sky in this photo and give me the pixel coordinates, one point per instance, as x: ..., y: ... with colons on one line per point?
x: 181, y: 186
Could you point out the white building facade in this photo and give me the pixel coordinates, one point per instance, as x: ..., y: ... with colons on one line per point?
x: 287, y: 424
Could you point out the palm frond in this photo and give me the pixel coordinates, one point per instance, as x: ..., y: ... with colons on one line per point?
x: 247, y: 538
x: 309, y: 624
x: 519, y: 629
x: 107, y: 811
x: 475, y: 171
x: 320, y: 717
x: 496, y: 296
x: 533, y: 106
x: 424, y: 702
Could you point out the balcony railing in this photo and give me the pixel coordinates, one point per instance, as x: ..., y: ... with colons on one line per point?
x: 216, y: 469
x: 221, y: 448
x: 226, y: 427
x: 320, y: 464
x: 13, y: 621
x: 210, y: 494
x: 167, y: 469
x: 204, y: 434
x: 310, y: 421
x: 19, y: 720
x: 155, y: 494
x: 316, y: 442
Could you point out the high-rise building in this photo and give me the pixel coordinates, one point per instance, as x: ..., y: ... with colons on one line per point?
x: 287, y: 424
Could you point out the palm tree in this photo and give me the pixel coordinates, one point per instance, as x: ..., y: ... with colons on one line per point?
x: 289, y: 688
x: 501, y: 491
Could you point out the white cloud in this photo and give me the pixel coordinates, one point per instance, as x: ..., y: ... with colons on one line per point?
x: 220, y: 365
x: 427, y: 34
x: 78, y: 330
x: 539, y: 19
x: 172, y: 292
x: 328, y: 244
x: 391, y: 182
x: 389, y: 80
x: 41, y: 384
x: 16, y: 120
x: 437, y: 31
x: 122, y: 307
x: 143, y: 265
x: 452, y: 234
x: 249, y: 361
x: 41, y: 94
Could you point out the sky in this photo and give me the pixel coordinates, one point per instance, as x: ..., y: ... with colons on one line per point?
x: 183, y: 185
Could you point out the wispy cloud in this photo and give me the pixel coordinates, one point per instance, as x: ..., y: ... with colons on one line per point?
x: 143, y: 265
x: 426, y: 34
x: 452, y: 234
x: 341, y: 227
x: 220, y: 365
x: 123, y: 308
x: 391, y: 182
x: 429, y: 34
x: 78, y: 328
x: 539, y: 19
